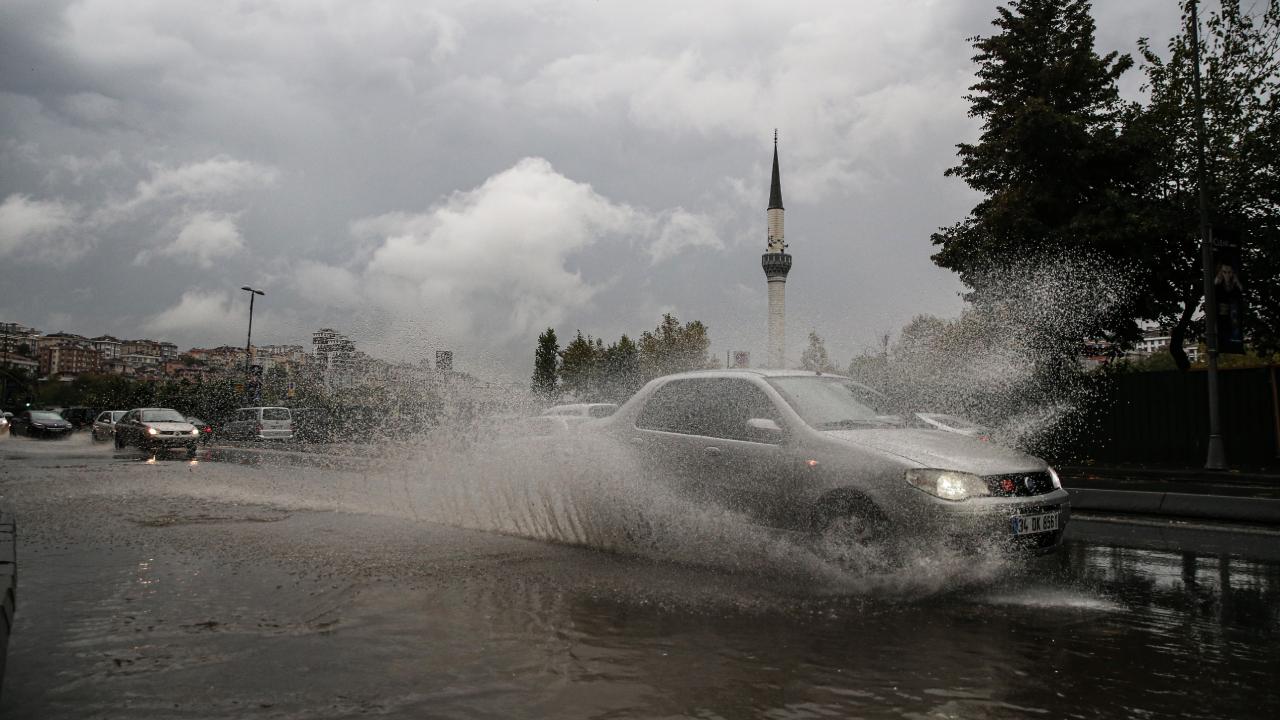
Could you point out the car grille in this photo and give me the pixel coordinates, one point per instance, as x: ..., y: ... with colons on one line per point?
x: 1019, y: 484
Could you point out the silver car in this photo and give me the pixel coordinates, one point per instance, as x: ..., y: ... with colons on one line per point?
x: 104, y: 425
x: 804, y: 451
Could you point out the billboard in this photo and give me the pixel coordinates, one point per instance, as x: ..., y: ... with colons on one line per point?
x: 1228, y: 290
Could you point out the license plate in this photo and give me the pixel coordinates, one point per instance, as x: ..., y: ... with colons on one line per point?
x: 1028, y: 524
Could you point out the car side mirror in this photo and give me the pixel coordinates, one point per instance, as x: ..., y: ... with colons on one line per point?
x: 764, y: 426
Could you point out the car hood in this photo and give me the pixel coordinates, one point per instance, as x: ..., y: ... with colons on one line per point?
x: 941, y: 450
x: 171, y: 426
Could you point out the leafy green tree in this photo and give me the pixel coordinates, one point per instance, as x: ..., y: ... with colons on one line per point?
x: 1049, y: 160
x: 621, y: 370
x: 581, y: 367
x: 1241, y: 102
x: 672, y: 348
x: 546, y: 369
x: 814, y: 357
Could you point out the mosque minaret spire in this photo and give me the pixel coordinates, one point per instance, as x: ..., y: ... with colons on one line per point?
x: 776, y: 262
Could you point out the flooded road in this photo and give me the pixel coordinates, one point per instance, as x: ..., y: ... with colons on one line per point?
x: 209, y: 589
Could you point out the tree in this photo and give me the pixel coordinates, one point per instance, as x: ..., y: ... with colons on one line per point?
x: 621, y: 370
x: 546, y: 370
x: 673, y: 348
x: 1049, y: 160
x: 1241, y: 104
x: 814, y: 358
x: 581, y: 364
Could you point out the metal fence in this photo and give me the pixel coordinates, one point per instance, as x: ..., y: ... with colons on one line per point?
x: 1162, y: 417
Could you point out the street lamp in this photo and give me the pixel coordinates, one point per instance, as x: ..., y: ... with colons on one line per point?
x: 248, y: 343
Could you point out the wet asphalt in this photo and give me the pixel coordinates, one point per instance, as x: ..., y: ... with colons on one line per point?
x: 165, y: 588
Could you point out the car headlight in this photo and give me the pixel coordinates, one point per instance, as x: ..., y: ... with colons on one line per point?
x: 194, y: 431
x: 948, y: 484
x: 152, y: 431
x: 36, y: 424
x: 1057, y: 482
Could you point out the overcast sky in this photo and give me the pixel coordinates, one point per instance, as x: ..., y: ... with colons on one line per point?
x: 461, y: 175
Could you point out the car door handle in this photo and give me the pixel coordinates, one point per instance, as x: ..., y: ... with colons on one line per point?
x: 711, y: 451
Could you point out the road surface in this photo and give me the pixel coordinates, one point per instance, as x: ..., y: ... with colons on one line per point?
x: 424, y: 587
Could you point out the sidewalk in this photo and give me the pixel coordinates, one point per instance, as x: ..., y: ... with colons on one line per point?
x: 1230, y: 496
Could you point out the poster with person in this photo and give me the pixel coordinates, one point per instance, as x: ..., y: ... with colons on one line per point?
x: 1228, y: 290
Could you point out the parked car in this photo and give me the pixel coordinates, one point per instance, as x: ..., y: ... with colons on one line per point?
x: 206, y: 429
x: 153, y: 429
x: 41, y: 423
x: 260, y: 423
x: 79, y: 417
x: 591, y: 410
x: 6, y: 419
x: 802, y: 451
x: 104, y: 426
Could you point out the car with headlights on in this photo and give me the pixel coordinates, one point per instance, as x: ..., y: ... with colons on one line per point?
x: 807, y: 452
x: 154, y: 429
x: 41, y: 424
x: 104, y: 425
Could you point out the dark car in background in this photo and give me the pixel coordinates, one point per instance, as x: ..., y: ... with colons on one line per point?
x: 41, y: 423
x: 80, y: 417
x: 153, y: 429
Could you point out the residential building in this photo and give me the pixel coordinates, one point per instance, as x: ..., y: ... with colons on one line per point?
x: 109, y: 347
x: 68, y: 359
x: 14, y: 336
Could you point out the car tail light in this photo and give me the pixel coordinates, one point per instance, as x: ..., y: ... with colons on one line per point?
x: 208, y: 429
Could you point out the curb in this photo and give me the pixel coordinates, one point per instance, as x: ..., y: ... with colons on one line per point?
x: 1189, y: 505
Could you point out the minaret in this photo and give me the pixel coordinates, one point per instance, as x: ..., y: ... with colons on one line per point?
x: 776, y: 262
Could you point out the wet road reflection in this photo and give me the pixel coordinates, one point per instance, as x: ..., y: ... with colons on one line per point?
x: 154, y: 591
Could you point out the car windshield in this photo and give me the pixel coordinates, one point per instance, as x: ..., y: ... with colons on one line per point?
x: 45, y: 416
x: 161, y: 416
x: 275, y: 413
x: 831, y: 403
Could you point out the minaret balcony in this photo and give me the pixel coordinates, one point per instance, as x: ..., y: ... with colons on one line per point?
x: 776, y: 264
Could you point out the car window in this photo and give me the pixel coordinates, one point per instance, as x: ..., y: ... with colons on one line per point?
x: 599, y: 411
x: 275, y: 413
x: 103, y: 417
x: 117, y: 414
x: 161, y: 415
x: 830, y: 403
x: 711, y: 407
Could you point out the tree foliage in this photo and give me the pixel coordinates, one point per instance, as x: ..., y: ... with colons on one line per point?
x: 672, y: 347
x: 1241, y: 105
x: 1049, y: 162
x: 546, y: 365
x: 815, y: 358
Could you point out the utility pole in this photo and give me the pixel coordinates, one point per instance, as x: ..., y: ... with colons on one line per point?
x: 1216, y: 458
x: 248, y: 343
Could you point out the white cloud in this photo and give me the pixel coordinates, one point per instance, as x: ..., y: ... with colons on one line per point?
x: 682, y: 230
x: 326, y: 285
x: 493, y: 261
x: 211, y: 314
x: 200, y: 182
x: 43, y: 230
x: 203, y: 238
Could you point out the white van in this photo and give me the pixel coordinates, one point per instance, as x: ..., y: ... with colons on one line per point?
x: 260, y: 423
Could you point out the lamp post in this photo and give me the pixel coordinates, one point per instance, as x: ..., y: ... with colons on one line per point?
x: 248, y: 343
